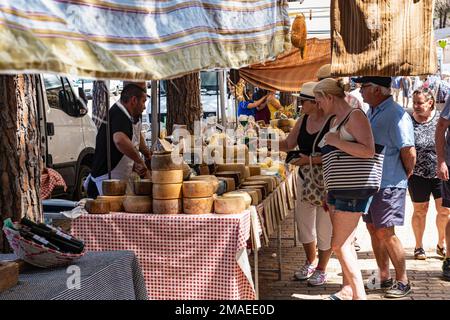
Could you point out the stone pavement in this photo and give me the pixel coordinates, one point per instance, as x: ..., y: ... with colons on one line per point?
x: 425, y: 276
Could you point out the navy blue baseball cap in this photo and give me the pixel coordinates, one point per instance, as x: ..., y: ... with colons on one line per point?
x: 382, y: 81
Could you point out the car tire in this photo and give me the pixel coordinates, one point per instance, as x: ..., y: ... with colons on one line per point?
x: 79, y: 192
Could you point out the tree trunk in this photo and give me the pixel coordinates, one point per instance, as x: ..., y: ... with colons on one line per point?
x: 183, y: 101
x: 20, y: 151
x: 286, y: 99
x: 100, y: 101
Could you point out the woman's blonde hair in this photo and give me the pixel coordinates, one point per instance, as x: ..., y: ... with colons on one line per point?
x: 330, y: 86
x: 428, y: 94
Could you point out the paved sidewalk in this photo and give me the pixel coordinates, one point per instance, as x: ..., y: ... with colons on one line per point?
x: 425, y: 276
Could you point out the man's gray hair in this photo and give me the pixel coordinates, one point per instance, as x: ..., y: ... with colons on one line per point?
x: 384, y: 91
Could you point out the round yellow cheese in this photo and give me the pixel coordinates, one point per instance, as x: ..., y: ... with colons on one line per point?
x: 97, y: 206
x: 169, y: 176
x: 229, y: 205
x: 240, y: 193
x: 198, y: 205
x: 137, y: 204
x: 164, y: 162
x: 172, y: 206
x: 197, y: 189
x: 167, y: 191
x: 115, y: 202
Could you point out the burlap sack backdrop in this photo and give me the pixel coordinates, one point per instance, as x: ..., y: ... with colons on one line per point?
x: 382, y: 37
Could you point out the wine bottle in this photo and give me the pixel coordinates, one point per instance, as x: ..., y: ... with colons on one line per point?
x: 37, y: 239
x: 65, y: 245
x: 50, y: 228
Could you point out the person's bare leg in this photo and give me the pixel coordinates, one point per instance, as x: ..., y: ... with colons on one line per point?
x: 395, y: 251
x: 419, y: 221
x: 344, y: 226
x: 380, y: 252
x: 442, y: 219
x: 324, y: 257
x: 310, y: 251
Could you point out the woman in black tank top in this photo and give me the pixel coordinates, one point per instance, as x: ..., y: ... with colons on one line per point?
x: 313, y: 222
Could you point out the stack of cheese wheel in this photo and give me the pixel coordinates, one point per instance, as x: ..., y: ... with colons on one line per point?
x: 198, y: 197
x: 167, y: 178
x: 114, y: 194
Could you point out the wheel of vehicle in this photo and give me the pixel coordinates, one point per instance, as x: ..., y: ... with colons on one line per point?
x: 79, y: 191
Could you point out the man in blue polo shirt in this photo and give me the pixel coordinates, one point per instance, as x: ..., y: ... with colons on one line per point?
x: 392, y: 127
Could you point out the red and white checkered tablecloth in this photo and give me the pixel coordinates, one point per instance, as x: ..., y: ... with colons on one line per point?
x: 182, y: 256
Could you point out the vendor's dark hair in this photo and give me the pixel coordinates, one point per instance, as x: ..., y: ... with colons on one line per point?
x: 259, y: 94
x: 130, y: 91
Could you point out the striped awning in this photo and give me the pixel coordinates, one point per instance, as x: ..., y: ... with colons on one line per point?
x: 139, y: 39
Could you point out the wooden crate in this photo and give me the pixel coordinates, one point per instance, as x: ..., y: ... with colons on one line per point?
x: 9, y: 275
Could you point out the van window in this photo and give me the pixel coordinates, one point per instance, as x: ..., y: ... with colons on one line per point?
x: 60, y: 95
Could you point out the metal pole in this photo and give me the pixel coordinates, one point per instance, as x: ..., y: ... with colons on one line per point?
x: 155, y: 111
x: 108, y: 130
x: 222, y: 97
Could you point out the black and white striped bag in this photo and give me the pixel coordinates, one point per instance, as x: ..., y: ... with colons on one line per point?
x: 348, y: 177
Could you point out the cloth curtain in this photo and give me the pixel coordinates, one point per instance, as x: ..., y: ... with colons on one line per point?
x: 139, y: 40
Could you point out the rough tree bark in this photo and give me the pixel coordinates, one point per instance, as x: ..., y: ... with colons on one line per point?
x: 286, y: 99
x: 99, y: 102
x: 183, y: 101
x: 20, y: 151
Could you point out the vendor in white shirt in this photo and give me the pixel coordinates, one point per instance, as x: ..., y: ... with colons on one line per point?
x: 126, y: 140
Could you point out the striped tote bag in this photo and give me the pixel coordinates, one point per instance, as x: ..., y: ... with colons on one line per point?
x: 349, y: 177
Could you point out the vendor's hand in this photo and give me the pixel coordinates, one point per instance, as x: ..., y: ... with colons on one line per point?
x: 332, y: 139
x: 140, y: 168
x: 301, y: 161
x: 442, y: 171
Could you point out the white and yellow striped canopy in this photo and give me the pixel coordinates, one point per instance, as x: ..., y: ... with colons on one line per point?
x: 139, y: 39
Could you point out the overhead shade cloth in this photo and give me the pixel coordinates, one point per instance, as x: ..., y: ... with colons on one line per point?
x: 382, y: 37
x: 289, y: 71
x: 139, y: 40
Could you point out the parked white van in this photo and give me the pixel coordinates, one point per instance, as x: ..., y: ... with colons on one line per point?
x: 68, y: 133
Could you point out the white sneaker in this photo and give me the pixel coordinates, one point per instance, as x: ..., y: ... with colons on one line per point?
x: 305, y: 272
x: 318, y: 278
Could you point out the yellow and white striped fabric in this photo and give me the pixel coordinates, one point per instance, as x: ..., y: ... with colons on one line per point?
x: 139, y: 39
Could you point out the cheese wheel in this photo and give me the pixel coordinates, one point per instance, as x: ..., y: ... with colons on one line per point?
x: 255, y: 170
x: 167, y: 191
x: 164, y: 162
x: 261, y: 189
x: 236, y: 175
x: 97, y: 206
x: 138, y: 204
x: 240, y: 193
x: 114, y: 187
x: 212, y: 179
x: 197, y: 189
x: 143, y: 187
x: 240, y: 167
x: 250, y: 183
x: 253, y: 194
x: 198, y: 205
x: 115, y: 202
x: 258, y: 192
x: 231, y: 185
x: 172, y: 206
x: 169, y: 176
x: 272, y: 181
x: 229, y: 205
